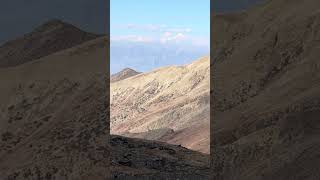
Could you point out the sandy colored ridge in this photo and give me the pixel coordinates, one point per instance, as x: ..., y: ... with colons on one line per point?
x: 169, y: 104
x: 123, y: 74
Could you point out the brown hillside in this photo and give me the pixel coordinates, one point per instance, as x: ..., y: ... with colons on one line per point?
x: 174, y: 98
x: 44, y: 130
x: 266, y: 93
x: 123, y: 74
x: 48, y: 38
x: 54, y: 125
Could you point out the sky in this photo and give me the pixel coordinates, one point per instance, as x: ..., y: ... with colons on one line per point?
x: 18, y: 17
x: 147, y: 34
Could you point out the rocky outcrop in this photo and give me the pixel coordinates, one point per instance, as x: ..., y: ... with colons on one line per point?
x: 123, y: 74
x: 142, y: 159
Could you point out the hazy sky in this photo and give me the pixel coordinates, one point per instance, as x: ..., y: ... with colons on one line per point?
x: 18, y: 17
x: 147, y: 34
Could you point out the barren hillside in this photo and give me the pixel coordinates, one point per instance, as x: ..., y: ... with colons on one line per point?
x: 46, y: 39
x: 53, y: 118
x: 169, y: 104
x: 142, y: 159
x: 266, y: 92
x: 125, y: 73
x: 54, y: 124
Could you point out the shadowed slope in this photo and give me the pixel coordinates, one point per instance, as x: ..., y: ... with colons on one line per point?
x: 49, y: 38
x: 142, y: 159
x: 54, y: 125
x: 53, y: 120
x: 266, y: 94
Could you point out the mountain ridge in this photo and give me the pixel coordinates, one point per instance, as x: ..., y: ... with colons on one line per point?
x: 266, y: 93
x: 144, y: 104
x: 48, y: 38
x: 123, y: 74
x: 54, y: 124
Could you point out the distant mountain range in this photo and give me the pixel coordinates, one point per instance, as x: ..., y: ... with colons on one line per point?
x: 145, y: 57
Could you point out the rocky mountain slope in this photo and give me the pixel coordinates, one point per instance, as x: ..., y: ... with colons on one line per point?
x: 142, y: 159
x: 266, y: 92
x: 125, y: 73
x: 53, y: 116
x: 170, y: 104
x: 54, y: 125
x: 48, y: 38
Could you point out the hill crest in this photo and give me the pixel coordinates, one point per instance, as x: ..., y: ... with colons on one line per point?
x: 50, y: 37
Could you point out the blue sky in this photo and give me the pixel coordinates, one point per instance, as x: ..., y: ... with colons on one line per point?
x: 146, y: 34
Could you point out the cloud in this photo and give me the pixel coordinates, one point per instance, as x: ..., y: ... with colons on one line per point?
x: 131, y: 26
x: 162, y: 34
x: 168, y: 37
x: 139, y: 27
x: 132, y: 38
x: 167, y: 34
x: 200, y: 41
x: 179, y: 36
x: 182, y: 30
x: 155, y: 27
x: 151, y: 27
